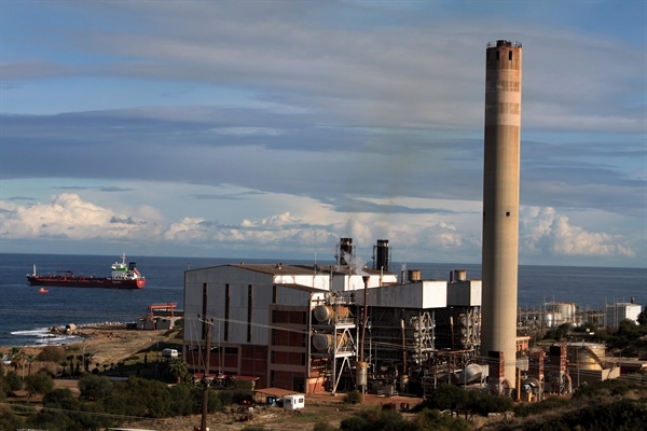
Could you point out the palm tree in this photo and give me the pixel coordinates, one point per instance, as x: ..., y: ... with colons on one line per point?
x: 70, y: 359
x: 30, y: 359
x: 87, y: 360
x: 178, y: 369
x: 18, y: 358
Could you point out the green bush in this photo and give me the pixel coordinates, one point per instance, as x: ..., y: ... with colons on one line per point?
x: 13, y: 380
x: 353, y: 397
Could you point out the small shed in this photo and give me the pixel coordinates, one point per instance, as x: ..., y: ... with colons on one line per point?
x: 270, y: 394
x: 294, y: 401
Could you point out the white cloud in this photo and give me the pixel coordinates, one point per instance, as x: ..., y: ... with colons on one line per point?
x: 545, y: 231
x: 450, y: 236
x: 68, y: 216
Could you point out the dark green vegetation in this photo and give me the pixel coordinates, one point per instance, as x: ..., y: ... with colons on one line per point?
x: 610, y: 405
x: 105, y: 403
x: 168, y: 391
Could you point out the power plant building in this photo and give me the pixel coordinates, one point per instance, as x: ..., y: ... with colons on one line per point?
x: 310, y: 328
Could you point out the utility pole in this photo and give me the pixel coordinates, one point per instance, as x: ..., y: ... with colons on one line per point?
x: 206, y: 331
x: 206, y: 381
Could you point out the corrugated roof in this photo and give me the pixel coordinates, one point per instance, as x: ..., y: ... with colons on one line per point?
x: 286, y: 269
x: 275, y: 392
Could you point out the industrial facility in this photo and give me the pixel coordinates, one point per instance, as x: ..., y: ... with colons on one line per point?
x: 312, y: 328
x: 341, y: 326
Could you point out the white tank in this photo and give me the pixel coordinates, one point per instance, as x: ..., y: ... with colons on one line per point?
x: 471, y: 373
x: 362, y: 373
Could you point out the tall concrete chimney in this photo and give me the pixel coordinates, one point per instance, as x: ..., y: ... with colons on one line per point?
x: 501, y: 202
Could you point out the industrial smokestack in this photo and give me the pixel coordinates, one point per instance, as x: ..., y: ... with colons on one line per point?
x: 501, y: 201
x: 381, y: 255
x: 345, y: 251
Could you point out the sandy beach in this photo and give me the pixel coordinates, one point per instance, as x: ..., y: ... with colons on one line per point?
x: 109, y: 344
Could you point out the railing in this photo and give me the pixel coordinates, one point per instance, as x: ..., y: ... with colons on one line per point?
x: 497, y: 43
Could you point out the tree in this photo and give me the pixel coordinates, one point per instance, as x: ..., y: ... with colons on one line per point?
x: 30, y: 360
x: 94, y: 388
x: 61, y: 399
x: 39, y: 383
x: 446, y: 397
x: 64, y: 367
x: 13, y: 381
x: 182, y: 400
x: 18, y: 357
x: 151, y: 398
x: 642, y: 317
x: 87, y: 360
x: 10, y: 421
x: 70, y: 360
x: 178, y: 369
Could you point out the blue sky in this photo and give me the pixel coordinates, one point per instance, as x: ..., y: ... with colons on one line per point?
x: 270, y: 129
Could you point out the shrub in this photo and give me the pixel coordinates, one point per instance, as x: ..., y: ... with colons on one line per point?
x: 323, y: 426
x: 353, y: 397
x: 13, y: 380
x: 226, y: 397
x: 51, y: 354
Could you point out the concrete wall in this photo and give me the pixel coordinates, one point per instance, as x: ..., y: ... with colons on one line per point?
x: 464, y: 293
x: 417, y: 295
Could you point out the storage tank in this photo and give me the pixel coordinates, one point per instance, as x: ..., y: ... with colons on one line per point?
x: 459, y: 275
x: 324, y: 313
x: 322, y: 341
x: 586, y: 356
x: 362, y: 373
x: 403, y: 381
x: 471, y: 373
x: 414, y: 275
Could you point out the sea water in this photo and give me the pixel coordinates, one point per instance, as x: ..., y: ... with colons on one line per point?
x: 26, y: 315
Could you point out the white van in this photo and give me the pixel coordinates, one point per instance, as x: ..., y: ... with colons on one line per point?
x: 170, y: 353
x: 294, y: 401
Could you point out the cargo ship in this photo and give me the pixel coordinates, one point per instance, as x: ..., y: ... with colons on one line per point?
x: 123, y: 276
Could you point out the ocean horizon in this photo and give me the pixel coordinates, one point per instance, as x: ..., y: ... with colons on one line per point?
x: 27, y: 314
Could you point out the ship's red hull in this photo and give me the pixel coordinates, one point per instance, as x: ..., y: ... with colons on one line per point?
x: 76, y: 281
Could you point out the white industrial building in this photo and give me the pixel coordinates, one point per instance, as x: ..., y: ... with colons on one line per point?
x: 305, y: 328
x: 616, y: 313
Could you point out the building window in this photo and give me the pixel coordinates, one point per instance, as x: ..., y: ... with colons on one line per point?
x: 274, y: 294
x: 303, y: 358
x: 509, y: 55
x: 273, y: 357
